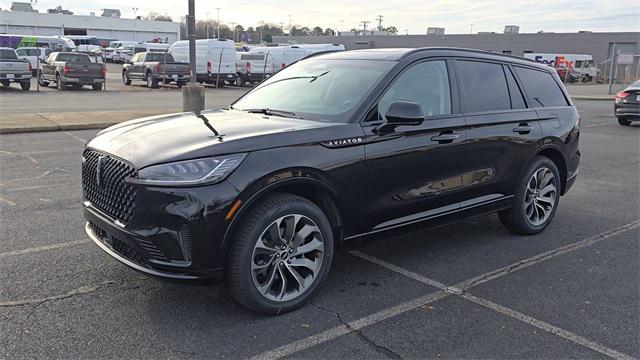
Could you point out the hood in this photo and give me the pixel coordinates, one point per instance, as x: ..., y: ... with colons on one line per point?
x: 183, y: 136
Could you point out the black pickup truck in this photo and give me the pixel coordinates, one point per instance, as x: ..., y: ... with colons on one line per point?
x: 154, y: 67
x: 70, y: 68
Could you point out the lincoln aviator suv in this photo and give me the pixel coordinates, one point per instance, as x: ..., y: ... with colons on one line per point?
x: 335, y: 147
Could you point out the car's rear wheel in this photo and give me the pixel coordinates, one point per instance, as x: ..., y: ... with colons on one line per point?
x: 5, y: 82
x: 151, y: 82
x: 61, y: 85
x: 623, y: 121
x: 280, y: 255
x: 536, y: 198
x: 25, y: 85
x: 96, y: 87
x: 41, y: 80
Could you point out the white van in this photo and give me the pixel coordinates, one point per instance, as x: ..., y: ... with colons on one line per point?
x: 111, y: 53
x: 254, y: 66
x: 215, y: 59
x: 35, y: 55
x: 284, y: 56
x: 580, y: 65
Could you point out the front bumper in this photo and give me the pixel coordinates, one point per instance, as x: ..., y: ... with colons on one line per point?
x: 175, y: 233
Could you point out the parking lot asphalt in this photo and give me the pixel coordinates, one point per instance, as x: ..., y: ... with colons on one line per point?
x: 469, y: 290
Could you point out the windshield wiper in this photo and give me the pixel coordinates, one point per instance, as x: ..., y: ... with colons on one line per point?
x: 312, y: 77
x: 271, y: 112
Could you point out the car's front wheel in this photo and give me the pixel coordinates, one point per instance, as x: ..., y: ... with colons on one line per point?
x: 280, y: 254
x: 536, y: 198
x: 623, y: 121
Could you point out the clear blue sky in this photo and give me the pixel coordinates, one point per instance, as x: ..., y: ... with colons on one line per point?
x: 411, y: 15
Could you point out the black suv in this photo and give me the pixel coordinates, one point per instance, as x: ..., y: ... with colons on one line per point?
x: 333, y: 148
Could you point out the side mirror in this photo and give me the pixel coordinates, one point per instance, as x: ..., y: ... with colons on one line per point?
x: 402, y: 113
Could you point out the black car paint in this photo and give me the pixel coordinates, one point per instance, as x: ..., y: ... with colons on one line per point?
x: 367, y: 179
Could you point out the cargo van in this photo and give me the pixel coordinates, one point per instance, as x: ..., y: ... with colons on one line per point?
x: 253, y: 67
x: 215, y: 59
x: 111, y: 53
x: 580, y: 66
x: 286, y: 55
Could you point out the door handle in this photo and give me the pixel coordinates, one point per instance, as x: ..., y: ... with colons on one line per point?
x: 445, y: 137
x: 523, y: 129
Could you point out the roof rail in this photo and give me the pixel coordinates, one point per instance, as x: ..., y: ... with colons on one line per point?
x: 466, y: 50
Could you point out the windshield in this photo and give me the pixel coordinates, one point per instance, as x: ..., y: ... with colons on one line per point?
x: 317, y: 89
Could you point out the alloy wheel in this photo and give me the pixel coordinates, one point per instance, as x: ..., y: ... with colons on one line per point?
x: 287, y: 258
x: 541, y: 195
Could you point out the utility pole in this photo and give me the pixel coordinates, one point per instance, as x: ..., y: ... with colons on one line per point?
x: 281, y: 28
x: 471, y: 29
x: 218, y: 24
x: 364, y: 26
x: 192, y: 95
x: 289, y: 27
x: 207, y: 25
x: 233, y: 25
x: 379, y: 18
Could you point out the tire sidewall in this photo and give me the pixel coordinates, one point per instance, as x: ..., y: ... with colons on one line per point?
x: 519, y: 201
x: 301, y: 207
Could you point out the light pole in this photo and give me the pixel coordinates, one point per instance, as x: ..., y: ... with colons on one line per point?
x: 233, y: 25
x: 471, y: 29
x: 218, y: 24
x: 207, y: 25
x: 289, y: 27
x: 135, y: 12
x: 192, y: 94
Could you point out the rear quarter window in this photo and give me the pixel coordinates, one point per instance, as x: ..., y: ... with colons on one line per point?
x: 541, y: 88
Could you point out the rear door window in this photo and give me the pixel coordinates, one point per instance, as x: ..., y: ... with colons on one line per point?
x: 484, y: 86
x: 542, y: 90
x: 517, y: 100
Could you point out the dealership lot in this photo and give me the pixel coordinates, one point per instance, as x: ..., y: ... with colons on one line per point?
x: 470, y: 290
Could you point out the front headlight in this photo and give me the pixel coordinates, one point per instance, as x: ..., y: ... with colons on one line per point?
x: 190, y: 172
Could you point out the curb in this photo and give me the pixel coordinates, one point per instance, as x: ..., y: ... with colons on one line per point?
x: 592, y: 98
x: 67, y: 121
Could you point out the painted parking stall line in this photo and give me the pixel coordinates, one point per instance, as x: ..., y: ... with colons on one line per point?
x: 458, y: 290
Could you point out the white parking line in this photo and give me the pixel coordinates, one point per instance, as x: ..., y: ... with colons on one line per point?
x: 575, y: 338
x: 43, y: 248
x: 445, y: 291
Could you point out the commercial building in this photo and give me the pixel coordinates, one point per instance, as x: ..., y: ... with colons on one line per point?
x: 33, y: 23
x: 598, y: 45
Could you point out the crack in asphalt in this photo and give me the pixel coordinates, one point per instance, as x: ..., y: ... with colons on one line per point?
x: 377, y: 347
x: 82, y: 290
x: 33, y: 160
x: 46, y: 173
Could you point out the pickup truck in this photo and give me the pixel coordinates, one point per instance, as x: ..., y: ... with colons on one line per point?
x: 13, y: 69
x: 71, y: 68
x: 154, y: 67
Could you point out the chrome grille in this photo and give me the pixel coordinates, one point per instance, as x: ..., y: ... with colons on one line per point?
x: 107, y: 190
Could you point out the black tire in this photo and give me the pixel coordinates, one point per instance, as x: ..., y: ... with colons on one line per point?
x: 41, y: 80
x: 60, y: 85
x: 125, y: 78
x: 96, y: 87
x: 151, y: 82
x: 516, y: 218
x: 238, y: 274
x: 5, y: 82
x: 25, y: 85
x: 179, y: 84
x: 219, y: 84
x: 623, y: 121
x: 240, y: 81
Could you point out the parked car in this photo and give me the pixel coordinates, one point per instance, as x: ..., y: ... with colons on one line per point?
x: 71, y: 68
x: 35, y: 55
x: 111, y: 53
x: 253, y: 67
x: 13, y: 69
x: 215, y: 59
x: 333, y: 148
x: 627, y: 104
x: 154, y: 67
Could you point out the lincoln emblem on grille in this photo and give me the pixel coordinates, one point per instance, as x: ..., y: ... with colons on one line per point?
x: 102, y: 161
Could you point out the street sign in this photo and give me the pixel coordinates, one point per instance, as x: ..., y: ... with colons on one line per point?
x: 624, y: 59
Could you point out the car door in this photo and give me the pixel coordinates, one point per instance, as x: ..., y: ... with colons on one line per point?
x: 135, y: 68
x: 415, y: 170
x: 48, y: 68
x: 502, y: 132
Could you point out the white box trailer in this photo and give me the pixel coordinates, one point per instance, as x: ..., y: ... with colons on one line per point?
x: 581, y: 65
x: 215, y: 59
